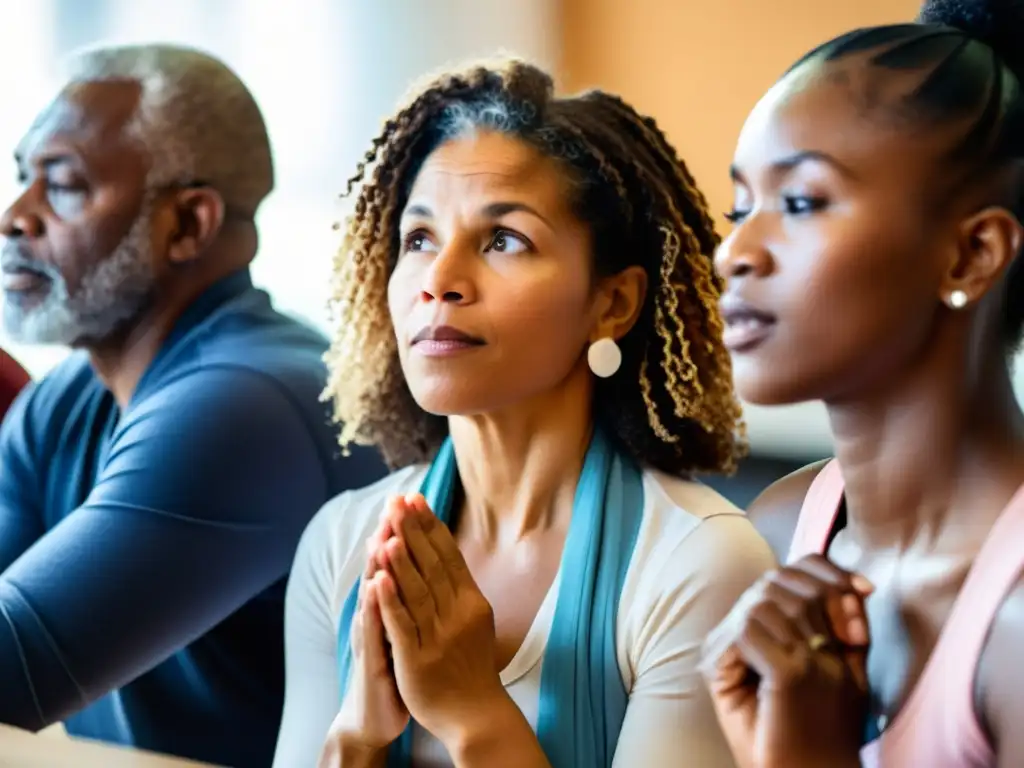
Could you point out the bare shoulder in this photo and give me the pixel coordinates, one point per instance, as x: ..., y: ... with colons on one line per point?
x: 1001, y: 678
x: 775, y: 512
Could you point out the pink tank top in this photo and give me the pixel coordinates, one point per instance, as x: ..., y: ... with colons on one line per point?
x: 937, y: 726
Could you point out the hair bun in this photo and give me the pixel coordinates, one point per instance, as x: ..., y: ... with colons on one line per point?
x: 998, y: 23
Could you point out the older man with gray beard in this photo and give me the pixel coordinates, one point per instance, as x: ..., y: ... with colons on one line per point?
x: 154, y: 486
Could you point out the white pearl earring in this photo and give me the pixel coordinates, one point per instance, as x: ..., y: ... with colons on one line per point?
x: 604, y: 357
x: 958, y: 299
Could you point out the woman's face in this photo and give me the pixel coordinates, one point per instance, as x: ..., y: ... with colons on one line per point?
x: 492, y: 297
x: 837, y: 261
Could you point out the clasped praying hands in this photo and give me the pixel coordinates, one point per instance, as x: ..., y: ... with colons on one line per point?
x: 423, y: 640
x: 787, y: 668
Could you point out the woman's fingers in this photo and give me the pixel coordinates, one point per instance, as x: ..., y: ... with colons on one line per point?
x: 826, y: 571
x: 373, y: 643
x: 841, y: 593
x: 399, y: 625
x: 412, y: 588
x: 850, y: 618
x: 429, y: 564
x: 802, y: 599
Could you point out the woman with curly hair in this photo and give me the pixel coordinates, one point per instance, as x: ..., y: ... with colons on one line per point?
x: 527, y: 328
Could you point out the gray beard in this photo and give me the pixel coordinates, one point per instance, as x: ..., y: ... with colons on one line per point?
x: 115, y: 292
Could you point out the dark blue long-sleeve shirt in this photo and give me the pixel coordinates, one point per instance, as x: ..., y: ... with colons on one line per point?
x: 143, y: 553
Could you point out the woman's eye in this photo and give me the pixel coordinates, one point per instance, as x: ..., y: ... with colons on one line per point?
x: 802, y: 204
x: 504, y: 241
x: 417, y: 241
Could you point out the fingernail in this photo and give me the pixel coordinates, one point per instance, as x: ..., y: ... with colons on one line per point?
x: 858, y: 630
x: 851, y: 606
x: 861, y: 584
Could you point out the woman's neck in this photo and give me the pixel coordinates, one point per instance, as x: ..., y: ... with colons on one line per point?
x: 938, y: 448
x: 519, y: 467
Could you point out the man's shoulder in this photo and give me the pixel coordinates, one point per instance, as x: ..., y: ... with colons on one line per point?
x: 255, y: 335
x: 72, y: 374
x: 244, y: 340
x: 261, y: 384
x: 62, y: 390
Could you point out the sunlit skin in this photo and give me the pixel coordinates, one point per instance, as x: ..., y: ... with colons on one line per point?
x: 848, y: 244
x: 84, y: 180
x: 494, y: 302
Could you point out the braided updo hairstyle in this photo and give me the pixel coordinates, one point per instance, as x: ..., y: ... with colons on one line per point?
x: 671, y: 405
x: 970, y: 58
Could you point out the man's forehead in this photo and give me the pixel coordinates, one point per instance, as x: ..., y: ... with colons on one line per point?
x: 84, y: 112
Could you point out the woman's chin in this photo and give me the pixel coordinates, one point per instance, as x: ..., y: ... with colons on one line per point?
x: 770, y: 391
x: 467, y: 396
x: 449, y: 402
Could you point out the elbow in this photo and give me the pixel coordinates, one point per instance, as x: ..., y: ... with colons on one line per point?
x: 36, y: 687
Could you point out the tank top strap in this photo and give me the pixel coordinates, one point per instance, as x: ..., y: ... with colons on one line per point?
x: 996, y: 569
x: 818, y: 513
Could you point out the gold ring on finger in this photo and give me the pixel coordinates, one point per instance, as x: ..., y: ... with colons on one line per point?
x: 817, y: 642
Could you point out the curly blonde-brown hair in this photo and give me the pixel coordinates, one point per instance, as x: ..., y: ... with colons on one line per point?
x: 671, y: 404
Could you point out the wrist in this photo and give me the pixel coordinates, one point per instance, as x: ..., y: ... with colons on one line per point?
x: 356, y: 754
x: 481, y: 738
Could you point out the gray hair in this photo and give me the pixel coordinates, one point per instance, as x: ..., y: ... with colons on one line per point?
x: 197, y: 120
x: 501, y: 113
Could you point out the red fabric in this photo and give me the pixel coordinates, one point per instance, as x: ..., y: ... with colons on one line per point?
x: 12, y: 378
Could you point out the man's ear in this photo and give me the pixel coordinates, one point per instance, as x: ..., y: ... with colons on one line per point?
x: 199, y: 215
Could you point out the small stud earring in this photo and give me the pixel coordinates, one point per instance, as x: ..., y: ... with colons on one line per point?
x: 958, y: 299
x: 604, y: 357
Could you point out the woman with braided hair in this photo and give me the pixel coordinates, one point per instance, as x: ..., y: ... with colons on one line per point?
x: 875, y: 264
x: 527, y: 327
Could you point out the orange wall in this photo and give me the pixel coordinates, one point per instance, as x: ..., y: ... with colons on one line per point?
x: 699, y: 67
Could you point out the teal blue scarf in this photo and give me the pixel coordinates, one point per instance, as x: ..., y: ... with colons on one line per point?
x: 582, y: 698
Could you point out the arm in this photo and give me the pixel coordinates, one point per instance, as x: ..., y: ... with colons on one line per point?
x: 503, y: 739
x: 21, y: 518
x: 670, y: 716
x: 197, y: 509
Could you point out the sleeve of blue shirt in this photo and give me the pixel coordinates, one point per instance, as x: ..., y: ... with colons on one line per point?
x: 198, y: 507
x: 21, y: 516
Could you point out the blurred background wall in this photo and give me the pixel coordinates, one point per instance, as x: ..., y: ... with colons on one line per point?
x: 327, y: 71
